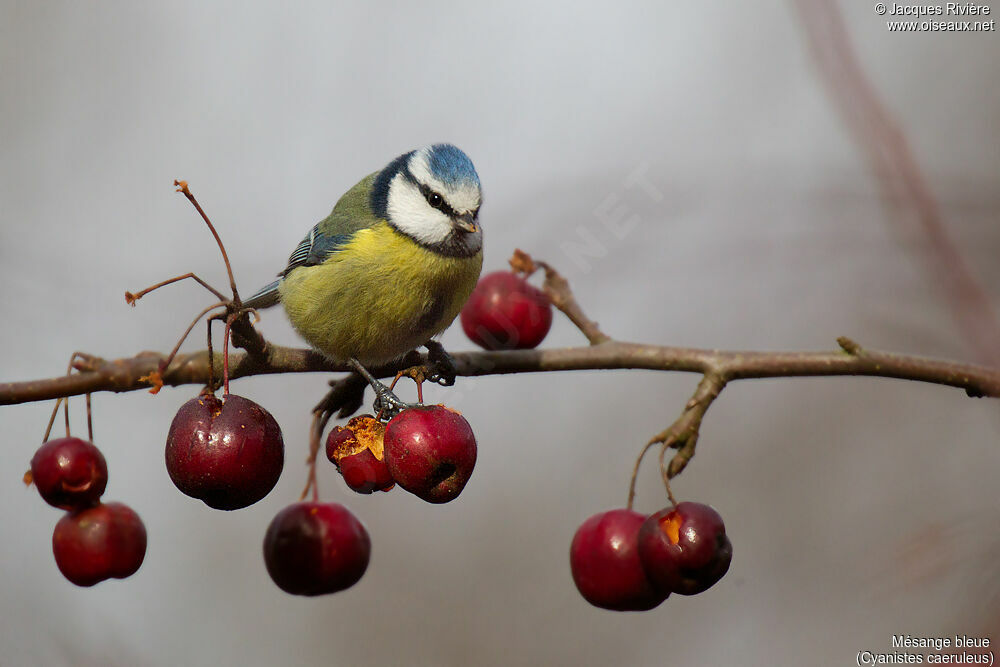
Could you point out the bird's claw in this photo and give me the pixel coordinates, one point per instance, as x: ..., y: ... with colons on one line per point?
x: 441, y: 367
x: 387, y: 404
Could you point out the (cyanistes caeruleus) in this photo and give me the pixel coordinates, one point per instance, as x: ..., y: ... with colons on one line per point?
x: 390, y: 267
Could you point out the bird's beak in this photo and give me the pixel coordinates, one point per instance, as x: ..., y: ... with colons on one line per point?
x: 466, y: 223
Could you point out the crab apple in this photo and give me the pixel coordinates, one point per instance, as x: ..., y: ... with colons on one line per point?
x: 316, y: 548
x: 227, y: 453
x: 430, y: 451
x: 604, y: 560
x: 505, y: 312
x: 97, y: 543
x: 69, y: 473
x: 357, y: 451
x: 684, y: 549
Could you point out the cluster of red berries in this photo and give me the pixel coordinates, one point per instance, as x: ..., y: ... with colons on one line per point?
x: 625, y: 561
x: 94, y: 541
x: 229, y: 453
x: 315, y: 548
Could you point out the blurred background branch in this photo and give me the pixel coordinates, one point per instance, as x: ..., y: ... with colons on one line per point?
x: 911, y: 204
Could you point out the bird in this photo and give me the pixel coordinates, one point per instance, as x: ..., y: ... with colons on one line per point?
x: 389, y: 268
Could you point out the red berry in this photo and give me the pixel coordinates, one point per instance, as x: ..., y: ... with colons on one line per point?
x: 430, y: 451
x: 684, y: 549
x: 227, y: 453
x: 316, y: 548
x: 98, y: 543
x: 357, y: 451
x: 505, y: 312
x: 69, y: 473
x: 604, y: 559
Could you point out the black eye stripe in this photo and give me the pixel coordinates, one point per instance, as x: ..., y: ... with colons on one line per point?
x: 442, y: 206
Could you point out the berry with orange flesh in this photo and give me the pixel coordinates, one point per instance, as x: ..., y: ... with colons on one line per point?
x: 357, y: 450
x: 685, y: 549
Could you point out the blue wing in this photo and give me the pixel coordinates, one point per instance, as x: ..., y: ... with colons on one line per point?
x: 312, y: 250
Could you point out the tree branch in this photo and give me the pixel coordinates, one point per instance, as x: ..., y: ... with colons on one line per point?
x: 129, y: 374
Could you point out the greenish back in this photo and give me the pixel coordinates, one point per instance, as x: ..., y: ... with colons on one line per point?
x: 352, y: 212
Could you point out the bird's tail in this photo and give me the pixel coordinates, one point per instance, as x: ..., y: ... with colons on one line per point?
x: 265, y: 297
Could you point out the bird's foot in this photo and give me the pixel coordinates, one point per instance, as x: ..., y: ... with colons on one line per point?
x: 387, y: 405
x: 441, y: 368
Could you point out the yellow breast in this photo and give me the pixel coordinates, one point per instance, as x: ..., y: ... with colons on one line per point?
x: 378, y: 297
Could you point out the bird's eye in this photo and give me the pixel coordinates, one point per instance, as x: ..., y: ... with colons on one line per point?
x: 435, y: 200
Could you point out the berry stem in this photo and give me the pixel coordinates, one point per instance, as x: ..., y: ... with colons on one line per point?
x: 211, y: 356
x: 664, y: 473
x: 52, y: 418
x: 321, y: 417
x: 182, y: 187
x: 66, y: 417
x: 635, y: 471
x: 90, y: 421
x: 170, y: 357
x: 225, y: 355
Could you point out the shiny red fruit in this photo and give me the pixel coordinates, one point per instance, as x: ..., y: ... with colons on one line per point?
x: 505, y: 312
x: 316, y: 548
x: 357, y: 451
x: 684, y: 549
x: 228, y: 454
x: 430, y: 451
x: 604, y: 559
x: 101, y: 542
x: 69, y: 473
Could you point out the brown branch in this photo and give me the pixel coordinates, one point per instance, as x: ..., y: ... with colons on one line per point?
x: 682, y: 435
x: 558, y: 290
x: 562, y: 298
x: 128, y: 374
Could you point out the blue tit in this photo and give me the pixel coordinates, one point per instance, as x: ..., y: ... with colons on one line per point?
x: 391, y: 266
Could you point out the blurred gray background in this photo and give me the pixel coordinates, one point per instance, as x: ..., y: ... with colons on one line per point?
x: 858, y: 508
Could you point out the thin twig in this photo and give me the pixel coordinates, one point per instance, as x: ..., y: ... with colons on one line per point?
x: 131, y: 298
x: 182, y: 187
x: 155, y: 378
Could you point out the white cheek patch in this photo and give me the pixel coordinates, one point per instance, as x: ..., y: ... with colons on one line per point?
x: 412, y: 215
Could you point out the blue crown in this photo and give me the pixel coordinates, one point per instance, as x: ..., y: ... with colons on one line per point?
x: 451, y: 165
